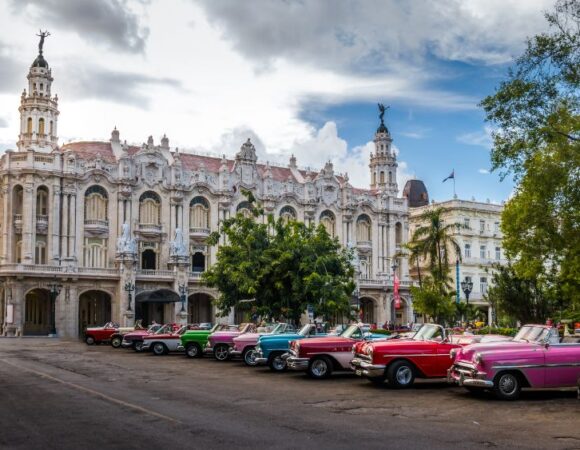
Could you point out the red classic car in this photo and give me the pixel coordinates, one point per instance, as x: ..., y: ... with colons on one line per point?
x: 320, y: 356
x: 400, y: 361
x: 96, y: 335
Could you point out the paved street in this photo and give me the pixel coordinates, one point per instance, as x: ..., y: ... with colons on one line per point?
x: 64, y: 394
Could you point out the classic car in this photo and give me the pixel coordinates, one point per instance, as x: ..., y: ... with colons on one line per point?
x: 319, y: 357
x: 535, y: 358
x: 219, y: 342
x: 245, y: 344
x: 97, y: 335
x: 193, y: 341
x: 270, y: 348
x: 161, y: 344
x: 400, y: 361
x: 134, y: 339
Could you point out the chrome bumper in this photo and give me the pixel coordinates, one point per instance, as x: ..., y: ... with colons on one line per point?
x: 364, y: 368
x: 208, y: 349
x: 259, y: 359
x: 235, y: 352
x: 180, y: 348
x: 463, y: 376
x: 146, y: 345
x: 295, y: 363
x: 127, y: 344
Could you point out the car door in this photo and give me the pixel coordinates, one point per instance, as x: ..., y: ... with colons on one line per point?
x: 442, y: 360
x: 562, y: 365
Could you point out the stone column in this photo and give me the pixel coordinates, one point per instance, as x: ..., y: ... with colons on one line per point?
x: 54, y: 226
x: 74, y: 222
x: 28, y: 221
x: 7, y: 218
x: 65, y: 222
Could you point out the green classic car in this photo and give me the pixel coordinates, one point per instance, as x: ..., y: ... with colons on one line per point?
x: 194, y: 341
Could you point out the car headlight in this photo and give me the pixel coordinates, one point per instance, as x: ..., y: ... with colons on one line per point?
x: 297, y: 347
x: 453, y: 353
x: 478, y: 358
x: 369, y: 351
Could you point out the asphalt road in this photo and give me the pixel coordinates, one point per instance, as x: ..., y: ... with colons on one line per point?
x: 57, y: 394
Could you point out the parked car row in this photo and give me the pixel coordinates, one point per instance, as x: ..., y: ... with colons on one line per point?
x: 535, y: 358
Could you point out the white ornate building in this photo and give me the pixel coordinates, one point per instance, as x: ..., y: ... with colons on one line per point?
x: 84, y: 223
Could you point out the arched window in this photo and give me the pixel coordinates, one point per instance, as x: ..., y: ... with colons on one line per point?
x: 41, y: 126
x: 17, y: 199
x: 363, y: 228
x: 398, y: 233
x: 150, y: 209
x: 390, y: 177
x: 148, y: 259
x: 51, y: 128
x: 244, y: 208
x: 382, y: 178
x: 29, y: 125
x: 374, y: 178
x: 95, y: 252
x: 96, y: 204
x: 18, y: 252
x: 42, y: 201
x: 198, y: 262
x: 328, y: 220
x: 199, y: 213
x: 40, y: 250
x: 287, y: 213
x: 468, y: 250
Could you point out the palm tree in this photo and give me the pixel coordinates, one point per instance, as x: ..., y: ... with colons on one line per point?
x: 432, y: 241
x: 414, y: 255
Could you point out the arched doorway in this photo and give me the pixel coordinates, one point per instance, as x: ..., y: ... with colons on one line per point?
x: 94, y: 309
x: 155, y: 306
x: 37, y: 313
x: 199, y: 308
x: 148, y: 259
x: 367, y: 310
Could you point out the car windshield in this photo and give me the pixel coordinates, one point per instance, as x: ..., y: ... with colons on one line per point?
x: 182, y: 330
x: 354, y: 332
x: 532, y: 334
x: 164, y: 329
x: 428, y: 332
x: 305, y: 330
x: 279, y: 328
x: 153, y: 328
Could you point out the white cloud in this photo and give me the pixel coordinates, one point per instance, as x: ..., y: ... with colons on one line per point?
x: 479, y: 138
x: 484, y: 171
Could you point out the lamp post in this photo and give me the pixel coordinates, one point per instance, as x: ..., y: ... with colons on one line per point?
x: 182, y: 292
x: 129, y: 287
x: 467, y: 287
x: 54, y: 291
x: 393, y: 309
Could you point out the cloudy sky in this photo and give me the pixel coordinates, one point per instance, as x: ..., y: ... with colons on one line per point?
x: 297, y: 76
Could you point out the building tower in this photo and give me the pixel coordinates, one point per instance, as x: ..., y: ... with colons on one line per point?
x: 38, y: 110
x: 383, y: 161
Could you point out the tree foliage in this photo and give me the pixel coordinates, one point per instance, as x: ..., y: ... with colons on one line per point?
x: 281, y: 267
x: 537, y: 140
x: 431, y: 301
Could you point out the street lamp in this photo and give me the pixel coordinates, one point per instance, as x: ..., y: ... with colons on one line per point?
x: 129, y: 287
x: 54, y: 291
x: 467, y: 287
x: 182, y: 292
x: 393, y: 304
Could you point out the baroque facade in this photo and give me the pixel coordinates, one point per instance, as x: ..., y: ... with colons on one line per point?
x: 98, y: 231
x: 480, y: 241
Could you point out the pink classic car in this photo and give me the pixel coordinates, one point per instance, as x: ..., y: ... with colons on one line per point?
x: 219, y: 343
x: 536, y: 358
x: 245, y: 344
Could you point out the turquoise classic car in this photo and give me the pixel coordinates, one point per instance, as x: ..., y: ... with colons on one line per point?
x: 270, y: 348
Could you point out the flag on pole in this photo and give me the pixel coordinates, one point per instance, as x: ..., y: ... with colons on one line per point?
x: 396, y: 292
x: 450, y: 176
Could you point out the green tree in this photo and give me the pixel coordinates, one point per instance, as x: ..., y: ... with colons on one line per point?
x: 536, y: 117
x: 431, y: 301
x: 433, y: 241
x: 518, y: 298
x: 281, y: 267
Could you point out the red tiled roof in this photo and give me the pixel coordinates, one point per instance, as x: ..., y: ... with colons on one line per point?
x: 90, y: 150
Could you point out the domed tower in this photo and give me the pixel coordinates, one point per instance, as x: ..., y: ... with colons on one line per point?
x: 38, y: 109
x: 383, y: 161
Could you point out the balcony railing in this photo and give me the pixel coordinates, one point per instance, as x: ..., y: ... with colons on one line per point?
x: 151, y: 273
x: 98, y: 225
x: 150, y: 228
x: 199, y: 232
x: 364, y: 244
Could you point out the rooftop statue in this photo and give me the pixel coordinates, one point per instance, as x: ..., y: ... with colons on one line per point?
x: 42, y: 35
x: 382, y: 110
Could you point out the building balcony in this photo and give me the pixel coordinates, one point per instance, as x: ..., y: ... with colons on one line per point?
x: 41, y: 224
x: 196, y: 232
x: 153, y: 274
x: 97, y: 225
x: 44, y: 270
x: 18, y: 223
x: 150, y: 229
x: 382, y: 283
x: 364, y: 245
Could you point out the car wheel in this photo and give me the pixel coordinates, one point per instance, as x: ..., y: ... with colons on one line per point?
x: 90, y: 340
x: 221, y: 352
x: 249, y: 357
x: 507, y: 386
x: 192, y: 351
x: 401, y: 375
x: 138, y: 346
x: 276, y: 363
x: 320, y: 367
x: 116, y: 341
x: 159, y: 349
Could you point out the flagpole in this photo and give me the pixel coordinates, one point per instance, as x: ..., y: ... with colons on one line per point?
x: 454, y: 194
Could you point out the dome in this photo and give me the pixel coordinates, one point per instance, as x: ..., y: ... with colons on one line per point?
x: 382, y: 129
x: 416, y: 193
x: 40, y: 62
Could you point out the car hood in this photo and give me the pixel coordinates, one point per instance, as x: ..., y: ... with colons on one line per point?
x: 197, y: 332
x: 161, y: 336
x: 502, y: 349
x: 137, y: 333
x: 280, y: 337
x: 325, y: 341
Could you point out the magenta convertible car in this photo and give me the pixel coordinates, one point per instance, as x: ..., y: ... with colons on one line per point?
x: 536, y: 358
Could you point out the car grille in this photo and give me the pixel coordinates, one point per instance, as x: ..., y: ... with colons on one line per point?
x: 465, y: 368
x: 363, y: 357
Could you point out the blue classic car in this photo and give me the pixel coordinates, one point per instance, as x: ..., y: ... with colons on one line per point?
x: 270, y: 348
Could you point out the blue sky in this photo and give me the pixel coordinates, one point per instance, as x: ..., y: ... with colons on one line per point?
x: 296, y: 77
